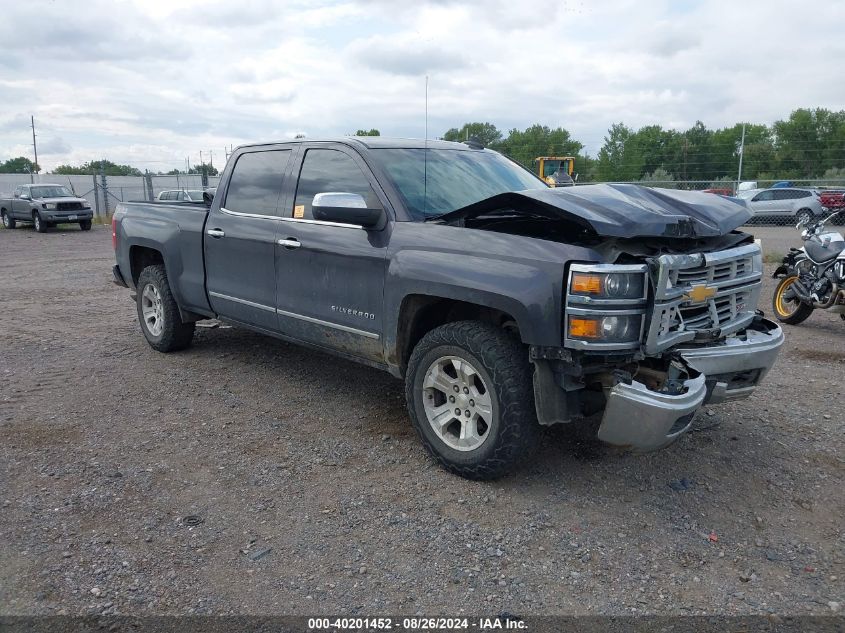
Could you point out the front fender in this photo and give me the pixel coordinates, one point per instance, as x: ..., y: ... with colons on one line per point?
x: 530, y: 293
x: 780, y: 271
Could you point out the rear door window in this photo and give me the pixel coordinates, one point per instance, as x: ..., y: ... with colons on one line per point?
x: 330, y: 170
x: 256, y: 182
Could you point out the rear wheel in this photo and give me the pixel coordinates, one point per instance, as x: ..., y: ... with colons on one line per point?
x: 804, y: 216
x: 158, y: 312
x: 85, y: 225
x: 787, y: 306
x: 8, y: 220
x: 39, y: 224
x: 470, y: 397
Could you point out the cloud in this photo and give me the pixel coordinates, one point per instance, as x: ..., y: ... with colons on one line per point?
x: 406, y: 56
x: 154, y: 81
x: 53, y: 145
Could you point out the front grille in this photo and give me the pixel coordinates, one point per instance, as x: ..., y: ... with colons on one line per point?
x: 710, y: 294
x: 69, y: 206
x: 723, y: 271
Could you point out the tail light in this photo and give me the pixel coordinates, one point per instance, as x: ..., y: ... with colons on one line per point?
x: 114, y: 233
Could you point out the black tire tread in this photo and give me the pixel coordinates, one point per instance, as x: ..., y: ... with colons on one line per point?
x: 176, y: 334
x: 41, y: 227
x: 506, y: 360
x: 799, y: 316
x: 12, y: 222
x: 85, y: 225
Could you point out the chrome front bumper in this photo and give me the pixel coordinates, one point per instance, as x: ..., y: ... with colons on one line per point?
x: 735, y: 367
x: 645, y: 420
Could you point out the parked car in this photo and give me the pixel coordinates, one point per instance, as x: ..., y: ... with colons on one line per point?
x: 505, y: 305
x: 45, y: 205
x: 792, y: 203
x: 181, y: 195
x: 832, y: 199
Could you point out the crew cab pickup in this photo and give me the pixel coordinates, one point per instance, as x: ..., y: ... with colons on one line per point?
x: 505, y: 305
x: 45, y: 205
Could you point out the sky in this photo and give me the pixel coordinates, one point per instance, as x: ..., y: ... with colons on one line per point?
x: 153, y: 82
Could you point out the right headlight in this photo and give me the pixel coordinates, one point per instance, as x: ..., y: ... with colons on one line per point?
x: 602, y: 285
x: 605, y: 306
x: 622, y: 328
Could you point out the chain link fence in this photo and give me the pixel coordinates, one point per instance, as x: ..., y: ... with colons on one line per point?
x: 773, y: 203
x: 105, y: 192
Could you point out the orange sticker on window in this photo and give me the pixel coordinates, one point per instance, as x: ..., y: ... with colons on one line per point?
x: 299, y: 211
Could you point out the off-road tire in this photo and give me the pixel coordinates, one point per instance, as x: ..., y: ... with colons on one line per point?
x: 502, y: 362
x: 85, y: 225
x: 175, y: 334
x: 801, y: 313
x: 39, y: 224
x: 8, y: 220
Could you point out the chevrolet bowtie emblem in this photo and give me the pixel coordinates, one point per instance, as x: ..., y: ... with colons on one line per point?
x: 700, y: 294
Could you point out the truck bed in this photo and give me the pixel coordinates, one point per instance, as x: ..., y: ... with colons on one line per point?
x: 174, y: 231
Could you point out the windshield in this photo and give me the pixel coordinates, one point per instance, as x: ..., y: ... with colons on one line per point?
x: 455, y: 178
x: 50, y: 191
x: 550, y: 167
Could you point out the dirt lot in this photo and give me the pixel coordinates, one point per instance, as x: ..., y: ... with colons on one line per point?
x: 313, y: 494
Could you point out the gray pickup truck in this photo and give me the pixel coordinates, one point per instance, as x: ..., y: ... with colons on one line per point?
x: 505, y: 305
x: 45, y: 205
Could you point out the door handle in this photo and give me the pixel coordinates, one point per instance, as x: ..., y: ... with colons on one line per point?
x: 289, y: 242
x: 216, y: 233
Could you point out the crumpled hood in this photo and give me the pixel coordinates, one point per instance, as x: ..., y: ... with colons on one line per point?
x: 614, y: 210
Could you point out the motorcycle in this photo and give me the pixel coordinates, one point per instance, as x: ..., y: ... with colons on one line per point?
x: 813, y: 276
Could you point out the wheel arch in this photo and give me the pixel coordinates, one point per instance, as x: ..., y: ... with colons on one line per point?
x: 421, y: 313
x: 140, y: 257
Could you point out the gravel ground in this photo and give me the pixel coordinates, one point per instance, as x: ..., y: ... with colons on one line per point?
x: 247, y: 475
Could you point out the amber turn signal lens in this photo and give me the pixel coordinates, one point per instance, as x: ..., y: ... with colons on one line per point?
x: 583, y: 328
x: 586, y: 283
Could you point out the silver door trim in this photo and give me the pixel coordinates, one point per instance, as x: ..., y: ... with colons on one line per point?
x: 336, y: 326
x: 294, y: 315
x: 249, y: 215
x: 252, y: 304
x: 324, y: 223
x: 289, y: 243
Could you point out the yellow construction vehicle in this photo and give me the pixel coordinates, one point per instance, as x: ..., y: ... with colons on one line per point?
x: 556, y: 171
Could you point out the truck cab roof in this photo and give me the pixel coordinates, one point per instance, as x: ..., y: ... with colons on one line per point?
x: 375, y: 142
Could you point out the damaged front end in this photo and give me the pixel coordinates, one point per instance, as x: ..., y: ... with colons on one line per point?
x: 693, y: 336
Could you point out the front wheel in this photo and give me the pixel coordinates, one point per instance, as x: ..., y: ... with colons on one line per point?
x: 39, y: 224
x: 85, y: 225
x: 470, y: 397
x: 158, y: 312
x: 8, y: 220
x: 788, y: 308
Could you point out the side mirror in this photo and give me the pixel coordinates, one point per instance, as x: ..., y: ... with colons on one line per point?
x: 208, y: 197
x: 345, y: 208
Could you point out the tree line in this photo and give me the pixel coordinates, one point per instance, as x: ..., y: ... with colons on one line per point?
x: 809, y: 144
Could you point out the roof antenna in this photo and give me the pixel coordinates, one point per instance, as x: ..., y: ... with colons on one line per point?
x: 425, y: 154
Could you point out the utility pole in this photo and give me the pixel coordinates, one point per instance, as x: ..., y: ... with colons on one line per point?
x: 741, y: 152
x: 34, y: 146
x: 211, y: 159
x: 201, y: 163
